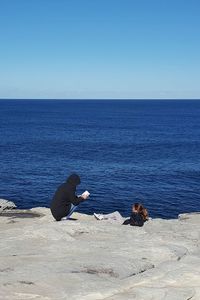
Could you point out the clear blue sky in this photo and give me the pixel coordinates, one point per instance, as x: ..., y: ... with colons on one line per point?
x: 99, y: 49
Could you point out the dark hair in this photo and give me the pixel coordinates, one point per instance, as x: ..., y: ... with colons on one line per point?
x: 145, y: 214
x: 140, y: 208
x: 136, y: 206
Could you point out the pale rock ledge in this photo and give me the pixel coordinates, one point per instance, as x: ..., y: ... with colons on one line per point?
x: 88, y: 259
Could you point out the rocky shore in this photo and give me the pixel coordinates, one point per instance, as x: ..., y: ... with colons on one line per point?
x: 88, y: 259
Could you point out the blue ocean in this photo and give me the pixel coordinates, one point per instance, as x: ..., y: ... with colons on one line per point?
x: 125, y: 151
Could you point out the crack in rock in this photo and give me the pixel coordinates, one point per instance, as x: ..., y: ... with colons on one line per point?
x: 181, y: 256
x: 21, y: 215
x: 26, y: 282
x: 98, y: 271
x: 142, y: 270
x: 6, y: 270
x: 7, y: 284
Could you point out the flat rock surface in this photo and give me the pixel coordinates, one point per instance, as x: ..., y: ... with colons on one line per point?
x: 84, y: 258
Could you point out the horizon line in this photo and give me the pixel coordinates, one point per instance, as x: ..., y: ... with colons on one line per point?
x: 101, y: 99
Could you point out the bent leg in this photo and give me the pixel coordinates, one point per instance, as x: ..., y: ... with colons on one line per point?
x: 72, y: 209
x: 127, y: 222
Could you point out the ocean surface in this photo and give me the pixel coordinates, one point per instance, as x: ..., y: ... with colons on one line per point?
x: 124, y: 151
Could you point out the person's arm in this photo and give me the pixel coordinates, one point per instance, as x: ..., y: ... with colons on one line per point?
x: 74, y: 199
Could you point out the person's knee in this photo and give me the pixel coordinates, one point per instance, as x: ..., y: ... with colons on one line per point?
x: 126, y: 222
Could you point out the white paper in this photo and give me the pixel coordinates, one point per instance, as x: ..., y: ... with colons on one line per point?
x: 85, y: 194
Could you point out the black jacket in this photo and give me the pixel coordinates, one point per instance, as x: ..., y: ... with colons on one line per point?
x: 64, y: 197
x: 136, y: 219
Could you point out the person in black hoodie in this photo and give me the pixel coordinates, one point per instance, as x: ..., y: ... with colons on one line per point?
x: 65, y: 199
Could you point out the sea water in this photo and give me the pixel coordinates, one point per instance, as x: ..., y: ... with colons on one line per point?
x: 124, y: 151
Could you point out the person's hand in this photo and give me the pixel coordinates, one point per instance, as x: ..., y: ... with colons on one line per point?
x: 85, y: 195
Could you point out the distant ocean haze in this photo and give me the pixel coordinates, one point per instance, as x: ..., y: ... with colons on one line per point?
x: 125, y: 151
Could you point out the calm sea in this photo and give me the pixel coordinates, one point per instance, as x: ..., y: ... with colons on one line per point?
x: 124, y: 151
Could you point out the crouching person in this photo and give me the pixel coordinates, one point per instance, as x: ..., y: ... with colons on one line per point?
x: 65, y: 200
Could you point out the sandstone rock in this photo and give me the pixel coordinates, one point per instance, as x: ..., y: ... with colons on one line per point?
x: 5, y: 204
x: 89, y: 259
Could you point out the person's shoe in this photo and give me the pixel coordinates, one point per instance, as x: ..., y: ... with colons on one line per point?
x: 98, y: 216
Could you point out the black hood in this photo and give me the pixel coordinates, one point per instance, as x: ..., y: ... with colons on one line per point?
x: 73, y: 180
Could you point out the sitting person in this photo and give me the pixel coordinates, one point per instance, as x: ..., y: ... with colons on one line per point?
x: 138, y: 216
x: 65, y: 200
